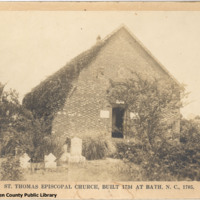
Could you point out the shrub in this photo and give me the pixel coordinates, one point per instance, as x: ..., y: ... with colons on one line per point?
x: 11, y: 170
x: 168, y: 162
x: 95, y: 148
x: 171, y: 163
x: 57, y: 149
x: 190, y: 132
x: 130, y: 152
x: 53, y: 145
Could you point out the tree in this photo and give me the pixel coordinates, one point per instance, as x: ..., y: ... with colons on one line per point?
x: 147, y: 99
x: 20, y: 130
x: 16, y: 124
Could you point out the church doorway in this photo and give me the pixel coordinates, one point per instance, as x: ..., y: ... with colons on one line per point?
x: 117, y: 122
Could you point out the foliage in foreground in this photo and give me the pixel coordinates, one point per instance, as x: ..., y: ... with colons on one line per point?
x: 190, y: 132
x: 168, y: 162
x: 11, y: 170
x: 97, y: 148
x: 129, y: 151
x: 19, y: 130
x: 179, y: 162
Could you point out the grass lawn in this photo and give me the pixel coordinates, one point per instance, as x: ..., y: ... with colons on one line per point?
x: 96, y: 170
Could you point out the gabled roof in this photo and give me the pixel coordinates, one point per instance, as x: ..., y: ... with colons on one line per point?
x: 50, y: 95
x: 151, y: 55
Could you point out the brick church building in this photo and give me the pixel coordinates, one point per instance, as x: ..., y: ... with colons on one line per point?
x: 73, y: 101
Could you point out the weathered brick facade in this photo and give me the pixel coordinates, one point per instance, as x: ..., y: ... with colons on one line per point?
x: 86, y: 109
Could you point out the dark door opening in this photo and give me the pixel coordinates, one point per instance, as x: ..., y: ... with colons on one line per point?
x: 117, y: 122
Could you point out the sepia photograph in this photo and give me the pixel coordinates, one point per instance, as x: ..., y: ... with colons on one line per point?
x: 99, y: 96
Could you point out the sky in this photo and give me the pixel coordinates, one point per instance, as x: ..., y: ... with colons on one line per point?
x: 35, y: 44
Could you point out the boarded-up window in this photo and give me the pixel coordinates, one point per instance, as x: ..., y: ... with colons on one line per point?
x: 104, y: 114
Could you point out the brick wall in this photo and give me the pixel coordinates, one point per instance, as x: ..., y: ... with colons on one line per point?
x: 81, y: 113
